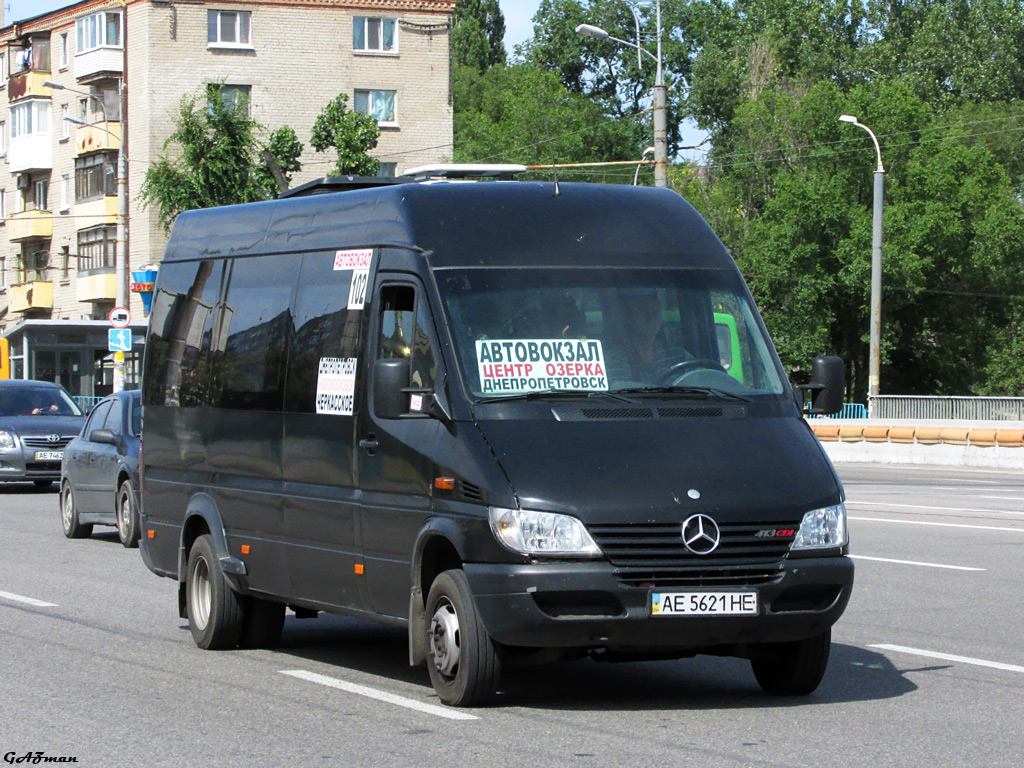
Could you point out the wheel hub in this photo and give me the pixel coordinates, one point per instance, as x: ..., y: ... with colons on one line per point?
x: 445, y: 640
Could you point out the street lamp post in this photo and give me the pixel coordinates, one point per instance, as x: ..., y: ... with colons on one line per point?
x: 660, y: 91
x: 874, y: 361
x: 120, y: 262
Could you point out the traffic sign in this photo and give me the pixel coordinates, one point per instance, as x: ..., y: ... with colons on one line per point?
x: 119, y: 340
x: 120, y: 317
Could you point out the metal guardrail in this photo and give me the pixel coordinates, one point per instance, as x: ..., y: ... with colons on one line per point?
x: 85, y: 402
x: 963, y: 408
x: 849, y: 411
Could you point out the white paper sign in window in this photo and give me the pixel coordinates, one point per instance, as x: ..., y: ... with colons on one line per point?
x: 517, y: 366
x: 359, y: 262
x: 336, y: 385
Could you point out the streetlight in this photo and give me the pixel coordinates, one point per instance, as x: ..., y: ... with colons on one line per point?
x: 874, y: 362
x: 120, y: 262
x: 660, y: 92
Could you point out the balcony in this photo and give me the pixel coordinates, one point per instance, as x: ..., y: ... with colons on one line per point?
x: 30, y: 153
x: 37, y: 294
x: 30, y: 225
x: 102, y: 210
x: 28, y: 83
x: 98, y: 64
x: 92, y: 138
x: 97, y: 285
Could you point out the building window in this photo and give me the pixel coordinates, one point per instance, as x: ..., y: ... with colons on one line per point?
x: 372, y: 34
x: 95, y: 176
x: 65, y: 184
x: 96, y: 248
x: 101, y: 30
x: 65, y: 113
x: 41, y: 195
x: 64, y: 50
x: 3, y: 204
x: 235, y: 95
x: 34, y: 261
x: 3, y: 137
x: 379, y: 105
x: 30, y: 118
x: 388, y: 170
x: 65, y: 258
x: 3, y: 69
x: 227, y: 28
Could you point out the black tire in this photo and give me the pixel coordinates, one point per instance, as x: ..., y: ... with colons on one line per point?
x: 41, y: 484
x: 127, y: 516
x: 463, y: 661
x: 795, y: 668
x: 69, y: 515
x: 262, y: 623
x: 214, y: 609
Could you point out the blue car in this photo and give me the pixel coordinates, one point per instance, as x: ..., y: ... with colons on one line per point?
x: 37, y: 420
x: 100, y: 472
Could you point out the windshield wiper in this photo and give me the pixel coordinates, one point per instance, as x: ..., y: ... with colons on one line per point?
x: 544, y: 394
x: 684, y: 390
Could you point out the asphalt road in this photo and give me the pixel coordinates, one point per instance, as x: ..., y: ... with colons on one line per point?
x: 927, y: 664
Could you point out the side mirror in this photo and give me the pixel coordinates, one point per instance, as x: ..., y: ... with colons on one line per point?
x: 828, y: 385
x: 390, y: 378
x: 102, y: 436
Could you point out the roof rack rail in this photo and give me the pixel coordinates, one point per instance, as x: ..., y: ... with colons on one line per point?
x: 343, y: 184
x: 499, y: 171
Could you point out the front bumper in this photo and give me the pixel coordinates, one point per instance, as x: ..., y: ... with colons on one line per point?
x: 583, y: 605
x: 17, y: 467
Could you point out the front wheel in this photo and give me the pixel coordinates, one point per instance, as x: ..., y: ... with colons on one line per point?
x: 214, y: 609
x: 794, y: 668
x: 127, y: 517
x: 69, y: 515
x: 463, y: 661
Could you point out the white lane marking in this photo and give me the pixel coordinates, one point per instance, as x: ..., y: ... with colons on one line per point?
x: 372, y: 693
x: 924, y: 506
x: 27, y: 600
x: 938, y: 525
x: 950, y: 657
x: 912, y: 562
x: 999, y: 498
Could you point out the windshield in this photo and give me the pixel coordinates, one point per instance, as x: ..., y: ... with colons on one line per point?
x: 538, y: 330
x: 35, y: 401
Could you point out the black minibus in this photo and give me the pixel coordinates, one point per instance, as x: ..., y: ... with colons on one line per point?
x: 524, y: 420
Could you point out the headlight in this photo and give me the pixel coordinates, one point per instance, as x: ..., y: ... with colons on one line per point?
x: 7, y: 439
x: 541, y: 533
x: 823, y: 529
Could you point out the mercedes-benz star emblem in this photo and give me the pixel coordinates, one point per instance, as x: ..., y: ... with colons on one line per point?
x: 701, y: 535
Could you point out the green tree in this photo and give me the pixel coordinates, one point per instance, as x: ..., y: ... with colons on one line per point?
x: 479, y: 34
x: 216, y: 160
x: 351, y: 134
x: 286, y: 149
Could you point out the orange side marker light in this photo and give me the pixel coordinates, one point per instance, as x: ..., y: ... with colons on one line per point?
x: 151, y: 533
x: 359, y: 569
x: 444, y: 483
x: 245, y: 549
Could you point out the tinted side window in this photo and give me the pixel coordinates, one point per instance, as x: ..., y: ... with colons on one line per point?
x: 177, y: 351
x: 252, y: 327
x: 405, y: 332
x: 96, y: 418
x: 113, y: 420
x: 324, y: 327
x: 136, y: 423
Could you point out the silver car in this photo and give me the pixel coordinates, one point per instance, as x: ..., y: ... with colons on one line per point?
x: 37, y: 419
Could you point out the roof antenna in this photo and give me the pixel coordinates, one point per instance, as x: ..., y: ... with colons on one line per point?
x: 554, y: 167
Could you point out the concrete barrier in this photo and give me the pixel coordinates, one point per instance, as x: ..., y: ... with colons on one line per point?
x: 998, y: 445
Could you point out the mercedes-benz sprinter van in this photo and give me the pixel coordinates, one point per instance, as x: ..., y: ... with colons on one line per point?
x: 522, y: 419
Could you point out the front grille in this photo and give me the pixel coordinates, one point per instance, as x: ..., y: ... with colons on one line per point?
x: 654, y: 555
x: 45, y: 444
x: 690, y: 413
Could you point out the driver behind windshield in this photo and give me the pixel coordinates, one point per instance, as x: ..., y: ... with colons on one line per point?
x: 645, y: 348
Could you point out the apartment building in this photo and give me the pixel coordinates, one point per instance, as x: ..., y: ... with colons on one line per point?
x: 87, y: 84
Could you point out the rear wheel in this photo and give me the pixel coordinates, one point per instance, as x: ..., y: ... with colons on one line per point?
x: 127, y: 517
x: 262, y: 623
x: 463, y: 661
x: 795, y: 668
x: 214, y: 609
x: 69, y: 515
